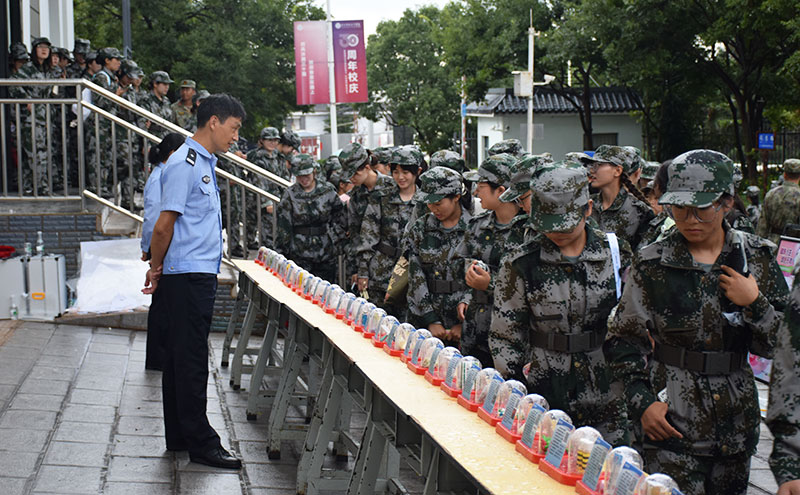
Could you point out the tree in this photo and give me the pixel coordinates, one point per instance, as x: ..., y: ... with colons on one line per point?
x: 410, y: 84
x: 241, y: 47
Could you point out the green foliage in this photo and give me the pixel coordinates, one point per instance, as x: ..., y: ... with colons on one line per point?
x: 241, y: 47
x: 410, y: 84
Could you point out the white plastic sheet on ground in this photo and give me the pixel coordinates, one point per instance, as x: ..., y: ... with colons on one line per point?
x: 111, y: 277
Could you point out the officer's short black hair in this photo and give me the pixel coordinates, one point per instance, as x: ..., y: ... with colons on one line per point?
x: 221, y: 105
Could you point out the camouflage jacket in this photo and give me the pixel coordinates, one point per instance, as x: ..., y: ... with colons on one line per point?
x: 658, y: 226
x: 356, y: 208
x: 537, y: 289
x: 109, y: 82
x: 432, y: 262
x: 783, y: 412
x: 781, y: 206
x: 269, y: 161
x: 31, y: 71
x: 161, y: 108
x: 740, y: 221
x: 310, y: 224
x: 627, y: 217
x: 674, y: 301
x: 182, y: 114
x: 487, y: 241
x: 75, y: 71
x: 381, y: 235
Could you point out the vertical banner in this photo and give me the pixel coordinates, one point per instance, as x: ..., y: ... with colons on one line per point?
x: 311, y: 62
x: 350, y: 62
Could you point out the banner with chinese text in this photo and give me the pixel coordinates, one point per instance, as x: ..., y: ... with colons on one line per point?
x: 311, y: 62
x: 350, y: 62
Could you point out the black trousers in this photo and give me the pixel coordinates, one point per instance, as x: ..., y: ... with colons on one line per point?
x: 157, y: 327
x: 188, y: 301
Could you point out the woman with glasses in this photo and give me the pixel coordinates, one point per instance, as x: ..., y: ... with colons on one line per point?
x: 619, y: 205
x: 695, y: 303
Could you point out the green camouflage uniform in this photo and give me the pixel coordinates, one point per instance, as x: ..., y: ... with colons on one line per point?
x: 539, y: 294
x: 753, y: 210
x: 183, y: 114
x: 160, y: 107
x: 35, y: 157
x: 352, y: 157
x: 449, y: 159
x: 783, y: 412
x: 435, y: 280
x: 331, y: 170
x: 781, y: 206
x: 678, y: 304
x: 102, y: 148
x: 510, y: 146
x: 627, y: 217
x: 441, y: 158
x: 487, y: 240
x: 381, y: 238
x: 310, y: 224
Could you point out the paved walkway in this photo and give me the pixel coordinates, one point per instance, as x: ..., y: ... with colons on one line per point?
x: 79, y: 414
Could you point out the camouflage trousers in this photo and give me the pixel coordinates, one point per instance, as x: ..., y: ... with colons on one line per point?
x: 701, y: 475
x: 35, y: 160
x: 376, y: 297
x: 475, y: 333
x: 325, y: 269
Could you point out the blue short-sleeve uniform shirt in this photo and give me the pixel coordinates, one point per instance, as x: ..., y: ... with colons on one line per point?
x: 189, y: 188
x: 152, y: 205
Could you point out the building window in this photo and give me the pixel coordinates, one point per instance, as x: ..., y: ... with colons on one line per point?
x: 485, y: 146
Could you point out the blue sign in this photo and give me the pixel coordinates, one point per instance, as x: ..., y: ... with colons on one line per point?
x: 766, y: 141
x: 463, y: 110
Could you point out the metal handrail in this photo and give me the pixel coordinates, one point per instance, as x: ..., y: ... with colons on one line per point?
x: 136, y: 217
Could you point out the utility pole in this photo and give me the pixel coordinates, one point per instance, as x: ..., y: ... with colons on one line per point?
x: 531, y: 34
x: 127, y: 45
x: 464, y: 117
x: 332, y: 85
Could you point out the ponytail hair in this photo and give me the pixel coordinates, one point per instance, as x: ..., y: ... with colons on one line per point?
x: 631, y: 187
x: 160, y: 152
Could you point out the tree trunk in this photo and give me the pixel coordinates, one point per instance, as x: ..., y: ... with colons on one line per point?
x: 736, y: 135
x: 586, y: 97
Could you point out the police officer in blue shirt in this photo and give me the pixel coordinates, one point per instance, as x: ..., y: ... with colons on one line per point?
x: 156, y: 317
x: 186, y: 250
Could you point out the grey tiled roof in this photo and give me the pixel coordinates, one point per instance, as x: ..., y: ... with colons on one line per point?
x: 546, y: 100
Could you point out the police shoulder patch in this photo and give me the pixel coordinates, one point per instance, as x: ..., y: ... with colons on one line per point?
x: 191, y: 157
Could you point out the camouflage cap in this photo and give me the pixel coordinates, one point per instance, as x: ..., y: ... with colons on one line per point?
x: 521, y: 177
x: 201, y: 95
x: 40, y: 40
x: 352, y: 157
x: 792, y: 165
x: 449, y: 159
x: 19, y: 52
x: 82, y: 46
x: 698, y: 178
x: 131, y: 69
x: 578, y: 157
x: 92, y: 56
x: 559, y: 195
x: 383, y: 155
x: 161, y: 76
x: 510, y: 146
x: 649, y: 170
x: 110, y: 52
x: 638, y: 161
x: 624, y: 157
x: 438, y: 183
x: 496, y: 169
x: 270, y: 133
x: 188, y: 83
x: 289, y: 138
x: 303, y: 164
x: 63, y: 53
x: 753, y: 191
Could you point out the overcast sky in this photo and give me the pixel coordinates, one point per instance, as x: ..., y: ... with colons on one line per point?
x: 373, y: 11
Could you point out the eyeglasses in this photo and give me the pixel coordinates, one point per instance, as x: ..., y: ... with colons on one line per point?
x: 520, y: 200
x: 703, y: 215
x: 592, y: 166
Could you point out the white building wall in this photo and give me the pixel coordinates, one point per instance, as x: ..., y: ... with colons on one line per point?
x: 51, y: 18
x: 560, y: 133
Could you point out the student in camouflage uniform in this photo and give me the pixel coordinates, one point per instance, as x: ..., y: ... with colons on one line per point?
x: 102, y: 149
x: 288, y: 145
x: 781, y: 204
x: 619, y: 207
x: 449, y: 159
x: 435, y: 277
x: 356, y: 170
x: 442, y: 158
x: 753, y: 194
x: 331, y: 170
x: 552, y: 298
x: 681, y: 333
x: 156, y: 102
x: 382, y: 228
x: 311, y: 221
x: 129, y: 71
x: 519, y: 189
x: 182, y: 109
x: 34, y: 149
x: 380, y: 158
x: 490, y: 234
x: 783, y: 411
x: 510, y: 146
x: 265, y: 155
x: 80, y: 52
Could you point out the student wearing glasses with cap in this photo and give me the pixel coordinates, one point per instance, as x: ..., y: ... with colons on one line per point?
x: 696, y: 302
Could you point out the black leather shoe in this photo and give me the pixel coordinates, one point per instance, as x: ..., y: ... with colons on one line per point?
x: 216, y: 457
x: 178, y: 447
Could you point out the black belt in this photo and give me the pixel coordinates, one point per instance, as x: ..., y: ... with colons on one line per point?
x: 569, y: 343
x: 309, y: 230
x: 443, y: 286
x: 481, y: 297
x: 387, y: 249
x: 705, y: 363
